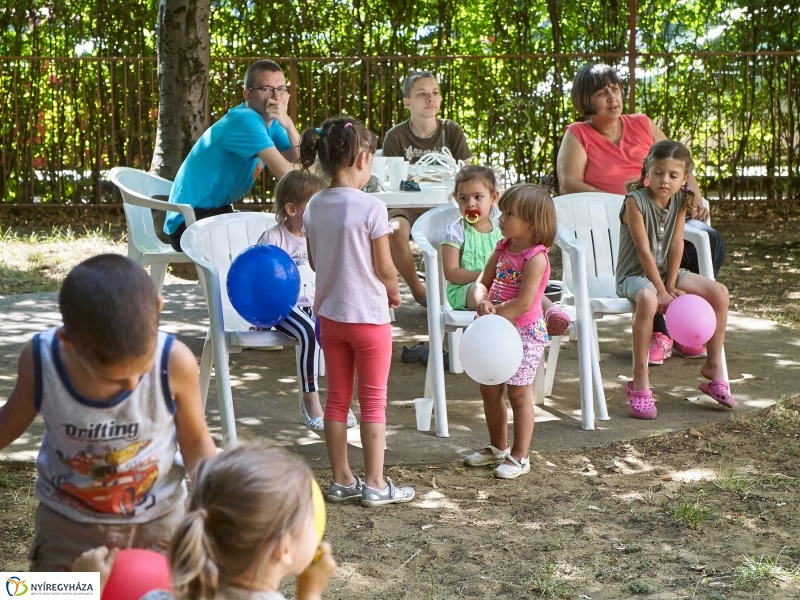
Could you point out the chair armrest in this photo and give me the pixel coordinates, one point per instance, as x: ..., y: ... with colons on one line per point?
x: 699, y: 240
x: 186, y: 210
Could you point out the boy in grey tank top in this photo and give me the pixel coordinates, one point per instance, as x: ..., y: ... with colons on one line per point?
x: 118, y: 398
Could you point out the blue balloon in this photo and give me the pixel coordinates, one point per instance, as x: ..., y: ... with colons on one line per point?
x: 263, y: 284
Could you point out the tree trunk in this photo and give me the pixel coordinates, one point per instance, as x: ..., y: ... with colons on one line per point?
x: 183, y: 61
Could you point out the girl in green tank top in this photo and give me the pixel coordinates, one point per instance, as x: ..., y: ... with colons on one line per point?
x: 470, y: 240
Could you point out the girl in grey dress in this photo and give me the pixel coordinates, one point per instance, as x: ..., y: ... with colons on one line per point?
x: 649, y: 273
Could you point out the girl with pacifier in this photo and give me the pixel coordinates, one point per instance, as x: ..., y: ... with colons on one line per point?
x: 512, y: 285
x: 348, y: 247
x: 649, y: 274
x: 470, y: 240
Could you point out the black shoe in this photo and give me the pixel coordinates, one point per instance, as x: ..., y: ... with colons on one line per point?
x: 414, y: 354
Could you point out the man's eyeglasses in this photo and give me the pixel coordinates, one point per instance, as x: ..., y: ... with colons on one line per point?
x: 278, y: 91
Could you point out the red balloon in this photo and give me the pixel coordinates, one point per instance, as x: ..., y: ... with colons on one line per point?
x: 136, y: 572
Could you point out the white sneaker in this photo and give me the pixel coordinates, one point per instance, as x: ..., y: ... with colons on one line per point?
x: 480, y: 458
x: 512, y: 471
x: 317, y: 424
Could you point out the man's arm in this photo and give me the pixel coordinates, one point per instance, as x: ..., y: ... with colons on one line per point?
x: 276, y: 162
x: 392, y: 145
x: 277, y: 108
x: 18, y: 411
x: 190, y: 422
x: 457, y: 142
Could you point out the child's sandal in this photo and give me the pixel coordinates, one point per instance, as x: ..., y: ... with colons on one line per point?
x: 719, y: 391
x: 641, y: 402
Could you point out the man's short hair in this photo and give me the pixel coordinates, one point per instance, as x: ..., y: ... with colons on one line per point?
x: 412, y: 78
x: 110, y: 309
x: 259, y: 67
x: 587, y: 81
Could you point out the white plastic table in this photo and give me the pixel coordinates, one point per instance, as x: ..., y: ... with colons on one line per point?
x: 431, y: 195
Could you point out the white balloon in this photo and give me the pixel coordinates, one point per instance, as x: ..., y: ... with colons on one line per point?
x: 491, y: 350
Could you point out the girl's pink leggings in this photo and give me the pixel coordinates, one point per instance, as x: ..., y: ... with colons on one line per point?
x: 352, y: 348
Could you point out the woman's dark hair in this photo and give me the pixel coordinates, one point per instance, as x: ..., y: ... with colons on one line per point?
x: 337, y: 144
x: 587, y: 81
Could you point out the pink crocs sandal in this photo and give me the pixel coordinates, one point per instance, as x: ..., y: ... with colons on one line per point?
x: 641, y: 402
x: 719, y: 391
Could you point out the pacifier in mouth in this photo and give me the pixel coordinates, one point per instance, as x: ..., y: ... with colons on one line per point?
x: 472, y: 216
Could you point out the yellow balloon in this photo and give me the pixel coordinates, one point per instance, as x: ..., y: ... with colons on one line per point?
x: 318, y: 502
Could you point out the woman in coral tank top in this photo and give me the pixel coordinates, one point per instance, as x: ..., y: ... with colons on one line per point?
x: 604, y: 152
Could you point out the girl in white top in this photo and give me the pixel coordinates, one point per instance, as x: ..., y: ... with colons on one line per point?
x: 250, y: 524
x: 291, y: 197
x: 348, y: 246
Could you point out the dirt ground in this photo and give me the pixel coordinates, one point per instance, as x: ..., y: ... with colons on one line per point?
x: 708, y: 512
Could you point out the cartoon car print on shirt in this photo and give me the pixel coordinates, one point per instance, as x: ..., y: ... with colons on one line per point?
x: 119, y: 493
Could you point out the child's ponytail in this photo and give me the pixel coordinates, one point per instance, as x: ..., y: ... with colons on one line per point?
x: 194, y: 568
x: 690, y: 203
x: 244, y: 501
x: 638, y: 184
x: 336, y: 144
x: 309, y: 145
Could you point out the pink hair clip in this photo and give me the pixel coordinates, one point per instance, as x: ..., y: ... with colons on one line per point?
x: 346, y: 125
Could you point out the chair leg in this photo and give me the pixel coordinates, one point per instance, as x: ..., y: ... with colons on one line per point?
x: 205, y: 371
x: 222, y: 375
x: 539, y: 385
x: 597, y: 380
x: 552, y: 361
x: 453, y: 343
x: 428, y: 390
x: 157, y: 273
x: 436, y: 374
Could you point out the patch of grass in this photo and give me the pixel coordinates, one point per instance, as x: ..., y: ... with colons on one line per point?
x: 640, y: 587
x: 631, y: 548
x: 730, y: 481
x: 781, y: 417
x: 38, y: 262
x: 792, y: 552
x: 690, y: 514
x: 546, y: 583
x: 717, y: 596
x: 753, y: 571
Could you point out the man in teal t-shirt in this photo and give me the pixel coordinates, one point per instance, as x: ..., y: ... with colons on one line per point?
x: 225, y: 162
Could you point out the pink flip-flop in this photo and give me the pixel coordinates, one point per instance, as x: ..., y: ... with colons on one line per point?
x: 719, y: 391
x: 641, y: 402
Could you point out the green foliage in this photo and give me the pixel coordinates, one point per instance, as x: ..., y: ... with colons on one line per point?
x: 66, y: 121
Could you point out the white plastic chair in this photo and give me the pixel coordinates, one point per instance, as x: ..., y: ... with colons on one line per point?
x: 212, y: 244
x: 138, y: 188
x: 428, y: 232
x: 588, y: 233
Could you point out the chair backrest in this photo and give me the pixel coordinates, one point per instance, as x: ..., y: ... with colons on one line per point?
x: 429, y: 229
x: 593, y: 218
x: 213, y: 243
x: 135, y: 186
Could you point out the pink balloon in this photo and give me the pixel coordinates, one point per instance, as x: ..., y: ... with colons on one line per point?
x: 690, y: 320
